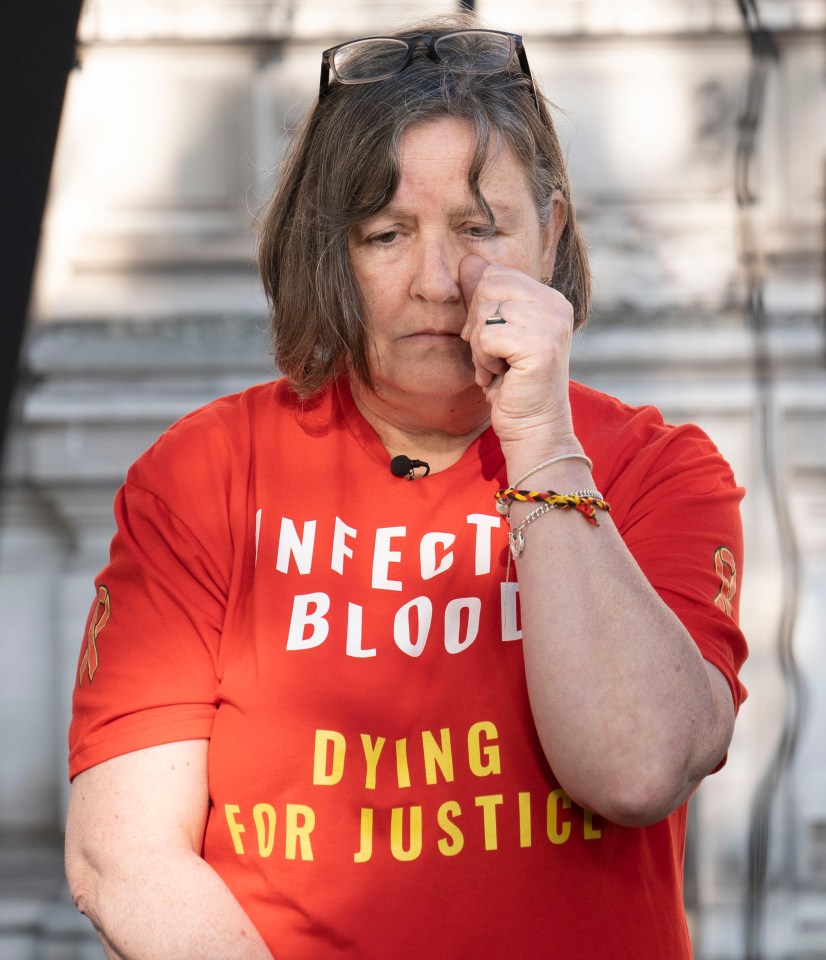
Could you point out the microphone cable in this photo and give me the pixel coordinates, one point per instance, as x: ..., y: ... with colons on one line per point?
x: 764, y: 54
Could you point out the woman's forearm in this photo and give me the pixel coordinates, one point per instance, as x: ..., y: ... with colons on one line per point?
x: 133, y: 836
x: 629, y: 714
x: 163, y: 905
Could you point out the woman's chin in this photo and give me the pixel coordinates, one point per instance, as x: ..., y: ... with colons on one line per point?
x: 436, y: 374
x: 436, y: 385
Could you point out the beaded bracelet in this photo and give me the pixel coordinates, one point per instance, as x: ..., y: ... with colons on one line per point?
x: 547, y: 463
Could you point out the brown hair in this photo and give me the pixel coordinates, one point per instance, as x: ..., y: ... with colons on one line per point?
x: 343, y: 166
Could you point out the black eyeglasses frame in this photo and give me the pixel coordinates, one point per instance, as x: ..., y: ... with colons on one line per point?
x: 426, y: 43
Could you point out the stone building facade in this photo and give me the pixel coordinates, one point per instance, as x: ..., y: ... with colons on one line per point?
x: 147, y: 306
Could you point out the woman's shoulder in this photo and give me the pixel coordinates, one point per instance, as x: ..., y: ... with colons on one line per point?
x: 260, y: 401
x: 605, y: 419
x: 601, y: 413
x: 211, y: 442
x: 626, y: 440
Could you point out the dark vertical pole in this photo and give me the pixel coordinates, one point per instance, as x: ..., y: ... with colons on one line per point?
x: 38, y: 53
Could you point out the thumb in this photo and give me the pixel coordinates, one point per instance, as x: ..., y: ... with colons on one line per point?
x: 471, y: 269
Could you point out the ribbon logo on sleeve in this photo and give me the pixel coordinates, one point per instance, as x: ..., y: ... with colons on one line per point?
x: 97, y: 621
x: 726, y: 569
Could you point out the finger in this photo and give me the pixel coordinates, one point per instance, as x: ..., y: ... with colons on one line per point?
x: 491, y: 389
x: 489, y: 346
x: 471, y: 269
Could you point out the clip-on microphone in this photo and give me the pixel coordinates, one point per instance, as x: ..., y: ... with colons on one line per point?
x: 403, y: 466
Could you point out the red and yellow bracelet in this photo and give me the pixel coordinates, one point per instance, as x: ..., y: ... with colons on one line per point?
x: 586, y: 502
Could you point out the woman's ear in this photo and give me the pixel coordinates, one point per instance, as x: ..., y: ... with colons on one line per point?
x: 553, y: 232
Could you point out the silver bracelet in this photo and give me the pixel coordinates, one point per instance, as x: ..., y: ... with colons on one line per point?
x: 516, y: 537
x: 547, y: 463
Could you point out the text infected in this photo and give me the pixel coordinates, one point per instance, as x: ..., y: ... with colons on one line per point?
x: 316, y: 557
x: 386, y: 546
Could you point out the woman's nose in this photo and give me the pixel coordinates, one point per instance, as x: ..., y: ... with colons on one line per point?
x: 436, y: 271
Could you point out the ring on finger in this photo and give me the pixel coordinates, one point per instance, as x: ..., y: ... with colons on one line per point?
x: 497, y: 316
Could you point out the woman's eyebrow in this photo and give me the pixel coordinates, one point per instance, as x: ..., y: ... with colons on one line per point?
x: 501, y: 210
x: 473, y: 208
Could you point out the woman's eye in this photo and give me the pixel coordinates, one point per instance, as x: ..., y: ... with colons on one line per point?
x: 384, y: 238
x: 480, y: 231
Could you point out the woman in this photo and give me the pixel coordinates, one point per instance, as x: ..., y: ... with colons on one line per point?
x: 325, y: 712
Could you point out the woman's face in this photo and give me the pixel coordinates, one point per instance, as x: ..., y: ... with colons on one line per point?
x: 406, y: 258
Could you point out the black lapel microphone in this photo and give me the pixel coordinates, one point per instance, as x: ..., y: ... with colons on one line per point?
x: 403, y: 466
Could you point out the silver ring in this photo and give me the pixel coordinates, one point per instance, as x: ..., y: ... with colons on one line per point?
x: 497, y: 316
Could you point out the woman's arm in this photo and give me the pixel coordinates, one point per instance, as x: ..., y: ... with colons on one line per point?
x: 133, y: 841
x: 630, y: 716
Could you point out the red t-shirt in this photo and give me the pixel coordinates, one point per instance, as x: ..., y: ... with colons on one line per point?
x: 377, y: 788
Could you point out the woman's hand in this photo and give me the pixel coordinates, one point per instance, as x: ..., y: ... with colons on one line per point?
x: 521, y: 365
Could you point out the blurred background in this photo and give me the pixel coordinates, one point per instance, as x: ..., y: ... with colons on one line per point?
x: 696, y: 135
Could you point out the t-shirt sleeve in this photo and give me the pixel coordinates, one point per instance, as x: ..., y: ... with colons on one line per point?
x: 676, y: 503
x: 148, y: 666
